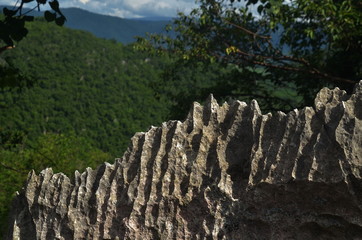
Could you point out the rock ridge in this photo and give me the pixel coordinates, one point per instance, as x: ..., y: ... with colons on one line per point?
x: 226, y: 172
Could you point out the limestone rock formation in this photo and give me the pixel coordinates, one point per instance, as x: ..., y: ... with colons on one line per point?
x: 226, y: 172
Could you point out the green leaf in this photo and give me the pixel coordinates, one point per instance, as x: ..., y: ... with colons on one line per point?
x: 231, y: 49
x: 272, y: 24
x: 41, y: 1
x: 19, y: 34
x: 54, y: 5
x: 26, y: 1
x: 310, y: 33
x: 49, y: 16
x: 60, y: 21
x: 260, y: 9
x: 203, y: 19
x: 8, y: 40
x: 9, y: 13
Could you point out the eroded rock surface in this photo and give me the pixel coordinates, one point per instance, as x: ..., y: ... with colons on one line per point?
x: 226, y: 172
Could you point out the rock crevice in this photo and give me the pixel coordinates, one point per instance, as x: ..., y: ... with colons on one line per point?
x: 226, y: 172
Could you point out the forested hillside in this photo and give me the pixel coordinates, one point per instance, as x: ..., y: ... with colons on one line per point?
x: 94, y: 87
x: 88, y: 97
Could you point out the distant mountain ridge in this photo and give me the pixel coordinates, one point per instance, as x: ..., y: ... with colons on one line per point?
x: 110, y: 27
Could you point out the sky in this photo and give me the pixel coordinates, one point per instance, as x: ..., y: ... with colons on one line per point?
x: 126, y: 8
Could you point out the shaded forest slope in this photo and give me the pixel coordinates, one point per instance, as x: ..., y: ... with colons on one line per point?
x: 96, y: 88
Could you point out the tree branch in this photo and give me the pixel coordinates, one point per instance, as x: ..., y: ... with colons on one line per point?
x: 312, y: 71
x: 267, y: 39
x: 2, y: 49
x: 12, y: 169
x: 248, y: 31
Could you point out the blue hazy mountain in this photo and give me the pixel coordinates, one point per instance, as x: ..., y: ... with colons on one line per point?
x: 104, y: 26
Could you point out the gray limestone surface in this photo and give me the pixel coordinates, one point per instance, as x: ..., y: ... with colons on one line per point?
x: 226, y: 172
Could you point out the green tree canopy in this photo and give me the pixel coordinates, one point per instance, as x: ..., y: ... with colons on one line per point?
x: 269, y: 45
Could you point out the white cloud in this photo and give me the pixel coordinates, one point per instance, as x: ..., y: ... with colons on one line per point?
x: 84, y: 1
x: 7, y: 2
x: 138, y: 4
x: 150, y: 7
x: 123, y: 13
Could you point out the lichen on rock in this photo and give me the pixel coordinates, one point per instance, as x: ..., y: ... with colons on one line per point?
x: 226, y: 172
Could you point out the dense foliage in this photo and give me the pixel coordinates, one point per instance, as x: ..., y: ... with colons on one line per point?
x: 299, y: 44
x: 94, y: 87
x: 88, y: 97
